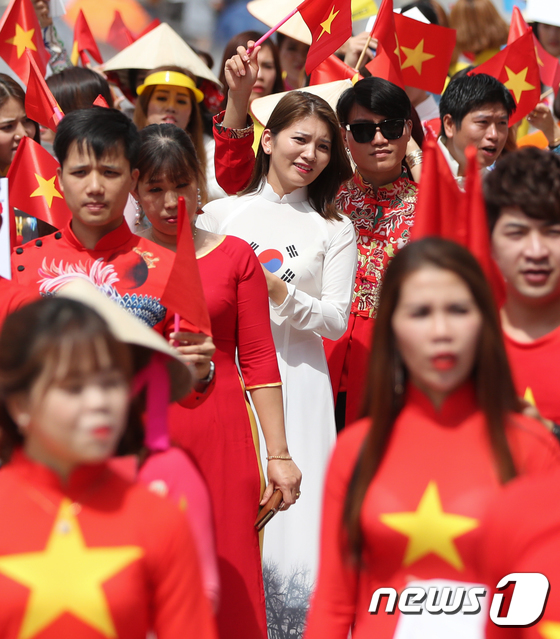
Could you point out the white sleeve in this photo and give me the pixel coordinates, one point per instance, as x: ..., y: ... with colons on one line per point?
x: 209, y: 220
x: 328, y: 315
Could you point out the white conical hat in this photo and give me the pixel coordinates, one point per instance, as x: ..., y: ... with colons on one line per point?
x: 330, y: 92
x: 160, y: 47
x: 272, y: 11
x: 545, y: 11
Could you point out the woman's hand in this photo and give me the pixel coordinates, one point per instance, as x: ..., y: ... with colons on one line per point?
x: 541, y: 118
x: 196, y: 349
x: 277, y: 289
x: 241, y: 73
x: 286, y: 476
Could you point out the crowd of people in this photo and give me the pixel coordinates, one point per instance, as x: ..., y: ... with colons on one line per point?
x: 401, y: 409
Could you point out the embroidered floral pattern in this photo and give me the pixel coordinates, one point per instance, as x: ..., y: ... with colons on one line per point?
x: 382, y: 221
x: 103, y: 276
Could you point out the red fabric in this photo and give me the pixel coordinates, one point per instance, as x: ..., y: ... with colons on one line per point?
x: 171, y: 473
x: 12, y: 297
x: 40, y: 104
x: 153, y: 24
x: 534, y: 368
x: 34, y: 185
x: 332, y: 69
x: 84, y: 41
x: 549, y: 67
x: 418, y: 40
x: 20, y: 29
x: 158, y: 589
x: 386, y: 63
x: 183, y: 291
x: 517, y: 68
x: 100, y: 101
x: 234, y: 159
x: 217, y: 435
x: 438, y: 195
x: 119, y: 36
x: 465, y: 480
x: 330, y: 23
x: 525, y: 539
x: 128, y: 268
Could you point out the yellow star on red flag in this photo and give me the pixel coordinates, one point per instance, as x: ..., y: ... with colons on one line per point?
x: 23, y: 40
x: 67, y: 577
x: 549, y: 629
x: 430, y: 529
x: 516, y: 82
x: 327, y: 24
x: 415, y: 57
x: 46, y: 188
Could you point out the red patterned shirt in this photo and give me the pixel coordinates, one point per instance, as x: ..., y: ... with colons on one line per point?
x: 382, y: 220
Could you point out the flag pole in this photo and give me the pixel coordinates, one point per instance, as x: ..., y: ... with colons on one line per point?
x: 271, y: 31
x: 363, y: 54
x: 546, y: 93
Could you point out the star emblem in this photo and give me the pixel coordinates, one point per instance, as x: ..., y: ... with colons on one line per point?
x: 517, y: 83
x: 22, y: 40
x: 529, y: 397
x: 397, y: 50
x: 67, y: 577
x: 549, y: 629
x: 326, y: 25
x: 541, y: 63
x: 415, y: 57
x: 430, y: 530
x: 46, y: 188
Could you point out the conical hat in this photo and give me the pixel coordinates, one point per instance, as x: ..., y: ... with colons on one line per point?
x: 271, y: 12
x: 262, y: 108
x: 545, y: 11
x: 130, y: 330
x: 160, y: 47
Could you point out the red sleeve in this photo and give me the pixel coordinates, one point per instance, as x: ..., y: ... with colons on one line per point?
x: 234, y: 158
x: 173, y: 473
x: 13, y: 296
x: 181, y: 608
x: 333, y: 605
x: 256, y: 350
x: 534, y: 448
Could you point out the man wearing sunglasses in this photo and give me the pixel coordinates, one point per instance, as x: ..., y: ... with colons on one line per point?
x: 474, y: 111
x: 379, y: 199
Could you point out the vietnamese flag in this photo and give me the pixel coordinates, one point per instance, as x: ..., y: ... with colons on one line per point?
x: 387, y: 63
x: 20, y: 31
x: 183, y: 293
x: 549, y: 67
x: 331, y: 70
x: 119, y: 35
x: 84, y: 41
x: 40, y: 103
x: 34, y: 186
x: 425, y: 52
x: 474, y: 224
x: 438, y: 195
x: 330, y: 23
x: 517, y: 68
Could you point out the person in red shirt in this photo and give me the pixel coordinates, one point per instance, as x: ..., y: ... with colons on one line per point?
x: 407, y: 486
x: 524, y: 213
x: 86, y: 553
x: 97, y: 149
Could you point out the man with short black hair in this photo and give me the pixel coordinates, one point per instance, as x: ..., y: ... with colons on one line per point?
x: 524, y: 214
x: 474, y: 111
x: 98, y: 150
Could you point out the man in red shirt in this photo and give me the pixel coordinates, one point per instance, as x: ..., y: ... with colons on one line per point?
x: 98, y: 150
x: 524, y: 214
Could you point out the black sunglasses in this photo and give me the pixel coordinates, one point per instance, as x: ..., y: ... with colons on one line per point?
x: 365, y: 131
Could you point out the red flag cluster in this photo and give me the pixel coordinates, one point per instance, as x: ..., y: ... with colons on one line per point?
x: 446, y: 211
